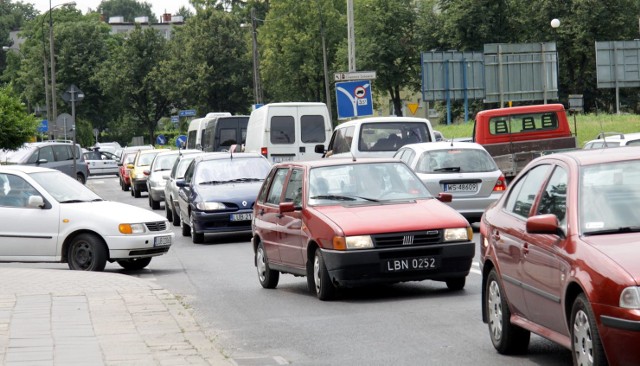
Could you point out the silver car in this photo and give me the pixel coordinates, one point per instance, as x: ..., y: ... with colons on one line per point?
x: 101, y: 162
x: 157, y: 176
x: 171, y: 190
x: 464, y: 169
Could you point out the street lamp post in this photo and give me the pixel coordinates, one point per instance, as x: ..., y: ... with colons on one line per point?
x: 54, y: 107
x: 257, y: 87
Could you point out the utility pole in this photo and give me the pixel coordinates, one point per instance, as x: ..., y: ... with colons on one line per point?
x: 351, y: 37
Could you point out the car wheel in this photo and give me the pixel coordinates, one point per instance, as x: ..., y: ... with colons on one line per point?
x: 167, y: 211
x: 134, y: 263
x: 325, y: 290
x: 136, y: 192
x: 121, y: 183
x: 186, y: 229
x: 132, y: 193
x: 125, y: 186
x: 456, y: 284
x: 87, y: 252
x: 176, y: 216
x: 506, y: 337
x: 268, y: 278
x: 197, y: 238
x: 155, y: 205
x: 585, y: 339
x: 80, y: 178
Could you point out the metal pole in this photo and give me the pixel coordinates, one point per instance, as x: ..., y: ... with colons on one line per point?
x: 54, y: 109
x: 73, y: 128
x: 46, y: 83
x: 351, y: 37
x: 257, y: 88
x: 324, y: 59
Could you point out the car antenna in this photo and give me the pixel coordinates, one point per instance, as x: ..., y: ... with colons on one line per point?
x: 352, y: 156
x: 232, y: 148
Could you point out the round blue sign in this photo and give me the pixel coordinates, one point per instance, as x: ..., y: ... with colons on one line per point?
x: 161, y: 140
x: 181, y: 141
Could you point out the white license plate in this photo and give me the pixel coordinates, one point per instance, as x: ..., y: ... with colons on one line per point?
x: 241, y: 217
x: 461, y: 187
x: 410, y: 264
x: 161, y: 241
x: 281, y: 158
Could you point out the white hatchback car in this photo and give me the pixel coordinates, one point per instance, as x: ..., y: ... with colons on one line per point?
x: 463, y: 169
x: 47, y: 216
x: 613, y: 139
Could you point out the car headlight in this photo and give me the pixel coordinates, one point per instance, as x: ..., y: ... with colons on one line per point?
x: 630, y: 298
x: 210, y: 206
x: 132, y: 228
x: 458, y: 234
x: 352, y: 242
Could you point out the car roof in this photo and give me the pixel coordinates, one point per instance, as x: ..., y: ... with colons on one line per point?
x: 149, y: 151
x: 381, y: 119
x: 337, y: 161
x: 24, y: 168
x: 441, y: 145
x: 598, y: 156
x: 220, y: 155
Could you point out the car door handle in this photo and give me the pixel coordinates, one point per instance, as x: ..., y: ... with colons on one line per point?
x: 261, y: 212
x: 525, y: 248
x: 496, y: 235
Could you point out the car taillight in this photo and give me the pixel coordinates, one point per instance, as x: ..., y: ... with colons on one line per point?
x: 264, y: 151
x: 501, y: 184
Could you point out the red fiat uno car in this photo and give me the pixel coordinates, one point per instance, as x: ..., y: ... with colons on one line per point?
x: 343, y: 223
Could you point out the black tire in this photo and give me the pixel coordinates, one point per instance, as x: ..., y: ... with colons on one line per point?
x: 456, y: 284
x: 586, y: 345
x: 155, y: 205
x: 324, y: 288
x: 176, y: 215
x: 125, y: 186
x: 81, y: 178
x: 87, y: 252
x: 186, y: 229
x: 121, y: 182
x: 134, y: 264
x: 167, y: 211
x: 132, y: 191
x: 136, y: 191
x: 197, y: 238
x: 506, y: 337
x: 268, y: 278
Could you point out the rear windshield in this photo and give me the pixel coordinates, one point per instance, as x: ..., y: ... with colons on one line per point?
x: 390, y: 136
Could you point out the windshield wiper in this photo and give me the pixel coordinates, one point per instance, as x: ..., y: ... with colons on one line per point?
x: 246, y: 180
x: 214, y: 182
x: 620, y: 230
x: 448, y: 169
x: 333, y: 197
x: 73, y: 201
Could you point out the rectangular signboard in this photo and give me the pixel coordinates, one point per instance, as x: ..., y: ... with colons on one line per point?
x: 355, y: 75
x: 618, y: 64
x: 452, y: 75
x: 187, y: 113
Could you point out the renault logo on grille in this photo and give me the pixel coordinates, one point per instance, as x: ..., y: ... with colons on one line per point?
x: 407, y: 240
x: 244, y: 203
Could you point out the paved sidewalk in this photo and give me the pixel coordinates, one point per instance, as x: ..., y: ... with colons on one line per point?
x: 64, y: 317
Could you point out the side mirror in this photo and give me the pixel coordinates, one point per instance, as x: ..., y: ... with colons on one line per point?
x: 544, y: 224
x: 444, y: 197
x: 319, y: 149
x: 286, y: 207
x: 181, y: 183
x: 129, y: 166
x: 35, y: 201
x: 146, y: 172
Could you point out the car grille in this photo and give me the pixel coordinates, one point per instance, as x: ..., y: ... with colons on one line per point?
x: 415, y: 238
x: 156, y: 226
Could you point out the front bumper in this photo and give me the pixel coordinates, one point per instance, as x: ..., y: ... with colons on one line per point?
x: 135, y: 246
x: 620, y: 333
x: 359, y: 267
x: 220, y: 222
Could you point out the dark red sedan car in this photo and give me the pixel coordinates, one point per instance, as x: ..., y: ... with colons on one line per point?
x: 560, y: 257
x: 344, y: 223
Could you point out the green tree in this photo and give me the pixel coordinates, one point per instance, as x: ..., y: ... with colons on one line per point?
x: 131, y: 76
x: 290, y: 44
x: 208, y: 67
x: 129, y: 9
x: 12, y: 17
x: 16, y: 125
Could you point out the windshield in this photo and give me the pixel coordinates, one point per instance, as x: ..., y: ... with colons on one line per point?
x: 455, y: 161
x: 361, y: 183
x: 610, y: 197
x: 164, y: 162
x: 238, y: 169
x: 63, y: 188
x: 147, y: 159
x: 390, y: 136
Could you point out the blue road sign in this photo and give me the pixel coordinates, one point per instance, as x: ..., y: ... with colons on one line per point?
x: 175, y: 119
x: 181, y: 141
x: 187, y: 113
x: 354, y: 99
x: 44, y: 126
x: 161, y: 140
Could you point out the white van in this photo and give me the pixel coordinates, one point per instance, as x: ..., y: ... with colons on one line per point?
x: 196, y: 129
x: 376, y: 136
x: 288, y: 131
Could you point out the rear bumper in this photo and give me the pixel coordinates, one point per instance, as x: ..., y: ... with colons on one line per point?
x: 353, y: 268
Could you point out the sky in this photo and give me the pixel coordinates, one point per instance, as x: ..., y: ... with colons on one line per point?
x: 157, y: 6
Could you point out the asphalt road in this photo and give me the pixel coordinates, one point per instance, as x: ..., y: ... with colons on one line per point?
x: 417, y: 323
